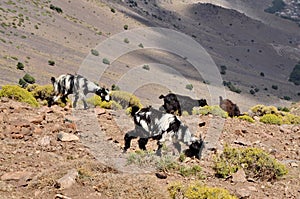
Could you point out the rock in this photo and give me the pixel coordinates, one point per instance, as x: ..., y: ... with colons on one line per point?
x: 17, y: 136
x: 16, y: 175
x: 60, y: 196
x: 37, y: 130
x: 243, y: 193
x: 99, y: 111
x: 294, y: 164
x: 66, y: 137
x: 67, y: 180
x: 242, y: 142
x: 239, y: 176
x: 45, y: 141
x: 37, y: 119
x: 256, y: 118
x: 161, y: 175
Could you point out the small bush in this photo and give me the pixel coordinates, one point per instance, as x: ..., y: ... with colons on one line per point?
x: 29, y: 79
x: 223, y: 69
x: 295, y: 75
x: 277, y: 6
x: 57, y: 9
x: 115, y: 87
x: 106, y: 61
x: 214, y: 110
x: 252, y: 92
x: 196, y: 190
x: 260, y: 110
x: 113, y: 10
x: 271, y: 119
x: 42, y: 93
x: 262, y: 74
x: 23, y: 83
x: 231, y: 87
x: 146, y: 67
x: 187, y: 171
x: 246, y: 118
x: 51, y: 62
x: 284, y: 109
x: 189, y: 86
x: 19, y: 94
x: 256, y: 163
x: 125, y: 27
x: 126, y: 40
x: 275, y: 87
x: 20, y: 66
x: 96, y: 101
x: 141, y: 45
x: 125, y: 99
x: 288, y: 98
x: 95, y: 52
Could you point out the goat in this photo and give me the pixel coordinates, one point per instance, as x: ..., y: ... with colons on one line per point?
x: 77, y: 85
x: 174, y: 102
x: 228, y: 106
x: 152, y: 123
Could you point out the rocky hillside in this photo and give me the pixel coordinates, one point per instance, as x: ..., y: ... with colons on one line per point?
x: 63, y: 153
x: 51, y: 38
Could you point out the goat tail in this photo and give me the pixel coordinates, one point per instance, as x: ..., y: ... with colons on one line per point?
x: 161, y: 97
x: 134, y: 110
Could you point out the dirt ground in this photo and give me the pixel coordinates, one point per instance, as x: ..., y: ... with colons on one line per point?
x: 34, y: 159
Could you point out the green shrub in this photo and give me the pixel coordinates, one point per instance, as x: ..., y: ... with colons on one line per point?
x: 125, y: 99
x: 223, y: 69
x: 288, y: 98
x: 214, y: 110
x: 295, y: 75
x: 19, y: 94
x: 146, y: 67
x: 96, y: 101
x: 290, y: 119
x: 20, y: 66
x: 106, y: 61
x: 125, y: 27
x: 113, y: 10
x: 231, y: 87
x: 57, y: 9
x: 277, y: 6
x: 126, y: 40
x: 275, y: 87
x: 29, y: 79
x: 22, y: 83
x: 271, y: 119
x: 198, y: 191
x: 246, y: 118
x: 187, y: 171
x: 115, y: 87
x: 260, y: 110
x: 189, y: 86
x: 51, y: 62
x: 256, y: 163
x: 141, y: 45
x: 95, y: 52
x: 262, y: 74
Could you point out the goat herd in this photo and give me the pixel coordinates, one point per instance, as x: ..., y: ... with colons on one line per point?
x: 149, y: 123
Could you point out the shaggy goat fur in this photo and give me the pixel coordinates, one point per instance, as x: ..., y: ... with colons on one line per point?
x: 228, y: 106
x: 77, y: 85
x: 152, y: 123
x: 175, y: 102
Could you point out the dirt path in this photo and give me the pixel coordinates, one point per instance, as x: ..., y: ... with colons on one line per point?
x: 105, y: 151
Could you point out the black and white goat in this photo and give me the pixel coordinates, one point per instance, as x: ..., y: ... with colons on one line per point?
x: 152, y: 123
x: 175, y: 102
x: 77, y: 85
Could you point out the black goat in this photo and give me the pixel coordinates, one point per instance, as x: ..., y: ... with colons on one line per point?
x: 174, y: 102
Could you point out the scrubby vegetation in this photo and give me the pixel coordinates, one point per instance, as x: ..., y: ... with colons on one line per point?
x: 256, y: 163
x: 19, y: 94
x: 29, y: 79
x: 106, y: 61
x: 271, y: 115
x: 223, y: 69
x: 189, y: 86
x: 51, y: 62
x: 232, y: 87
x: 246, y: 118
x: 146, y: 67
x: 20, y: 66
x: 199, y: 191
x: 96, y: 101
x: 125, y: 99
x: 277, y: 6
x: 165, y: 163
x: 214, y: 110
x: 57, y: 9
x: 295, y: 75
x: 95, y: 52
